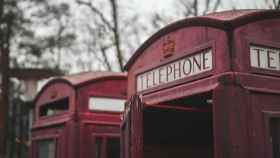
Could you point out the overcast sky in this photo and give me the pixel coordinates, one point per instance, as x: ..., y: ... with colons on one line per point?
x: 165, y: 5
x: 168, y: 7
x: 144, y: 8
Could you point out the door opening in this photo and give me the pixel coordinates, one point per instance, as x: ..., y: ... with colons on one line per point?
x: 186, y: 130
x: 275, y: 136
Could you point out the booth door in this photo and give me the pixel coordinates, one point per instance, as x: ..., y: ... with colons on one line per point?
x: 106, y: 146
x: 45, y: 147
x: 51, y: 143
x: 275, y: 136
x: 131, y: 130
x: 273, y: 122
x: 125, y: 132
x: 265, y: 125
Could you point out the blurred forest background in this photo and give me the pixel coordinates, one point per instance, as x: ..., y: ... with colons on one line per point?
x: 42, y: 38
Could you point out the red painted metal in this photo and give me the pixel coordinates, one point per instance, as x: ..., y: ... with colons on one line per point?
x: 178, y: 107
x: 243, y: 99
x: 76, y: 129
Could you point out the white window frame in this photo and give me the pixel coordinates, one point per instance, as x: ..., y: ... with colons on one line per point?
x: 106, y: 104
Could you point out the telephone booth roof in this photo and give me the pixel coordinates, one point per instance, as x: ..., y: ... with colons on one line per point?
x: 226, y: 20
x: 81, y: 79
x: 77, y: 81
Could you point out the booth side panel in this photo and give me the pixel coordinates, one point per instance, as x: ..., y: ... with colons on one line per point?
x: 137, y: 128
x: 126, y: 135
x: 73, y: 143
x: 230, y: 122
x: 58, y: 135
x: 85, y: 138
x: 264, y: 34
x: 264, y: 108
x: 65, y: 142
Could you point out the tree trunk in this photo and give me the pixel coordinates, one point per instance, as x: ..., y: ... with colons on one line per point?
x: 116, y: 34
x: 4, y: 106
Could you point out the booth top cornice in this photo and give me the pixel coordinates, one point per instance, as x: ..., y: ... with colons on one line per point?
x: 86, y: 77
x: 226, y: 20
x: 77, y: 80
x: 81, y: 79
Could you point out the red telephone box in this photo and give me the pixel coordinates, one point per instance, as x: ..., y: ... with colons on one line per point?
x: 79, y: 116
x: 206, y: 87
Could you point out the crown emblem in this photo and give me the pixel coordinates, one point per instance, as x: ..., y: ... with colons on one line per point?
x: 168, y: 46
x: 53, y: 94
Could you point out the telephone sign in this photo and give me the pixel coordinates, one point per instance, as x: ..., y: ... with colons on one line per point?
x: 176, y: 70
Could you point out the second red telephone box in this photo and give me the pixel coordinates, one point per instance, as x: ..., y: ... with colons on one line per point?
x: 79, y: 116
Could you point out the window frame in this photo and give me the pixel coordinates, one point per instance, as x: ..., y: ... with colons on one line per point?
x: 57, y: 114
x: 104, y: 140
x: 55, y: 141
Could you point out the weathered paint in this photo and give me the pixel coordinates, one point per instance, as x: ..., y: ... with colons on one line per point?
x: 243, y: 83
x: 74, y: 130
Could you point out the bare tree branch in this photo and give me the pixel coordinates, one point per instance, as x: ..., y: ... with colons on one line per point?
x: 274, y: 4
x: 188, y: 11
x: 113, y: 25
x: 217, y: 4
x: 106, y: 61
x: 98, y: 58
x: 98, y: 12
x: 191, y: 8
x: 116, y: 33
x: 207, y: 6
x: 195, y: 7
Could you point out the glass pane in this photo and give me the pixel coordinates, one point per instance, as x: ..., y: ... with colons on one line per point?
x: 55, y: 107
x: 106, y: 104
x: 46, y: 149
x: 113, y: 147
x: 98, y: 143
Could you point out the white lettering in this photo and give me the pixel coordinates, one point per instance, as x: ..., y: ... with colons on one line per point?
x: 179, y: 69
x: 265, y: 58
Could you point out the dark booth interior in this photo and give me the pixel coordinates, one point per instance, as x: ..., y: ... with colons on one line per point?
x: 179, y: 132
